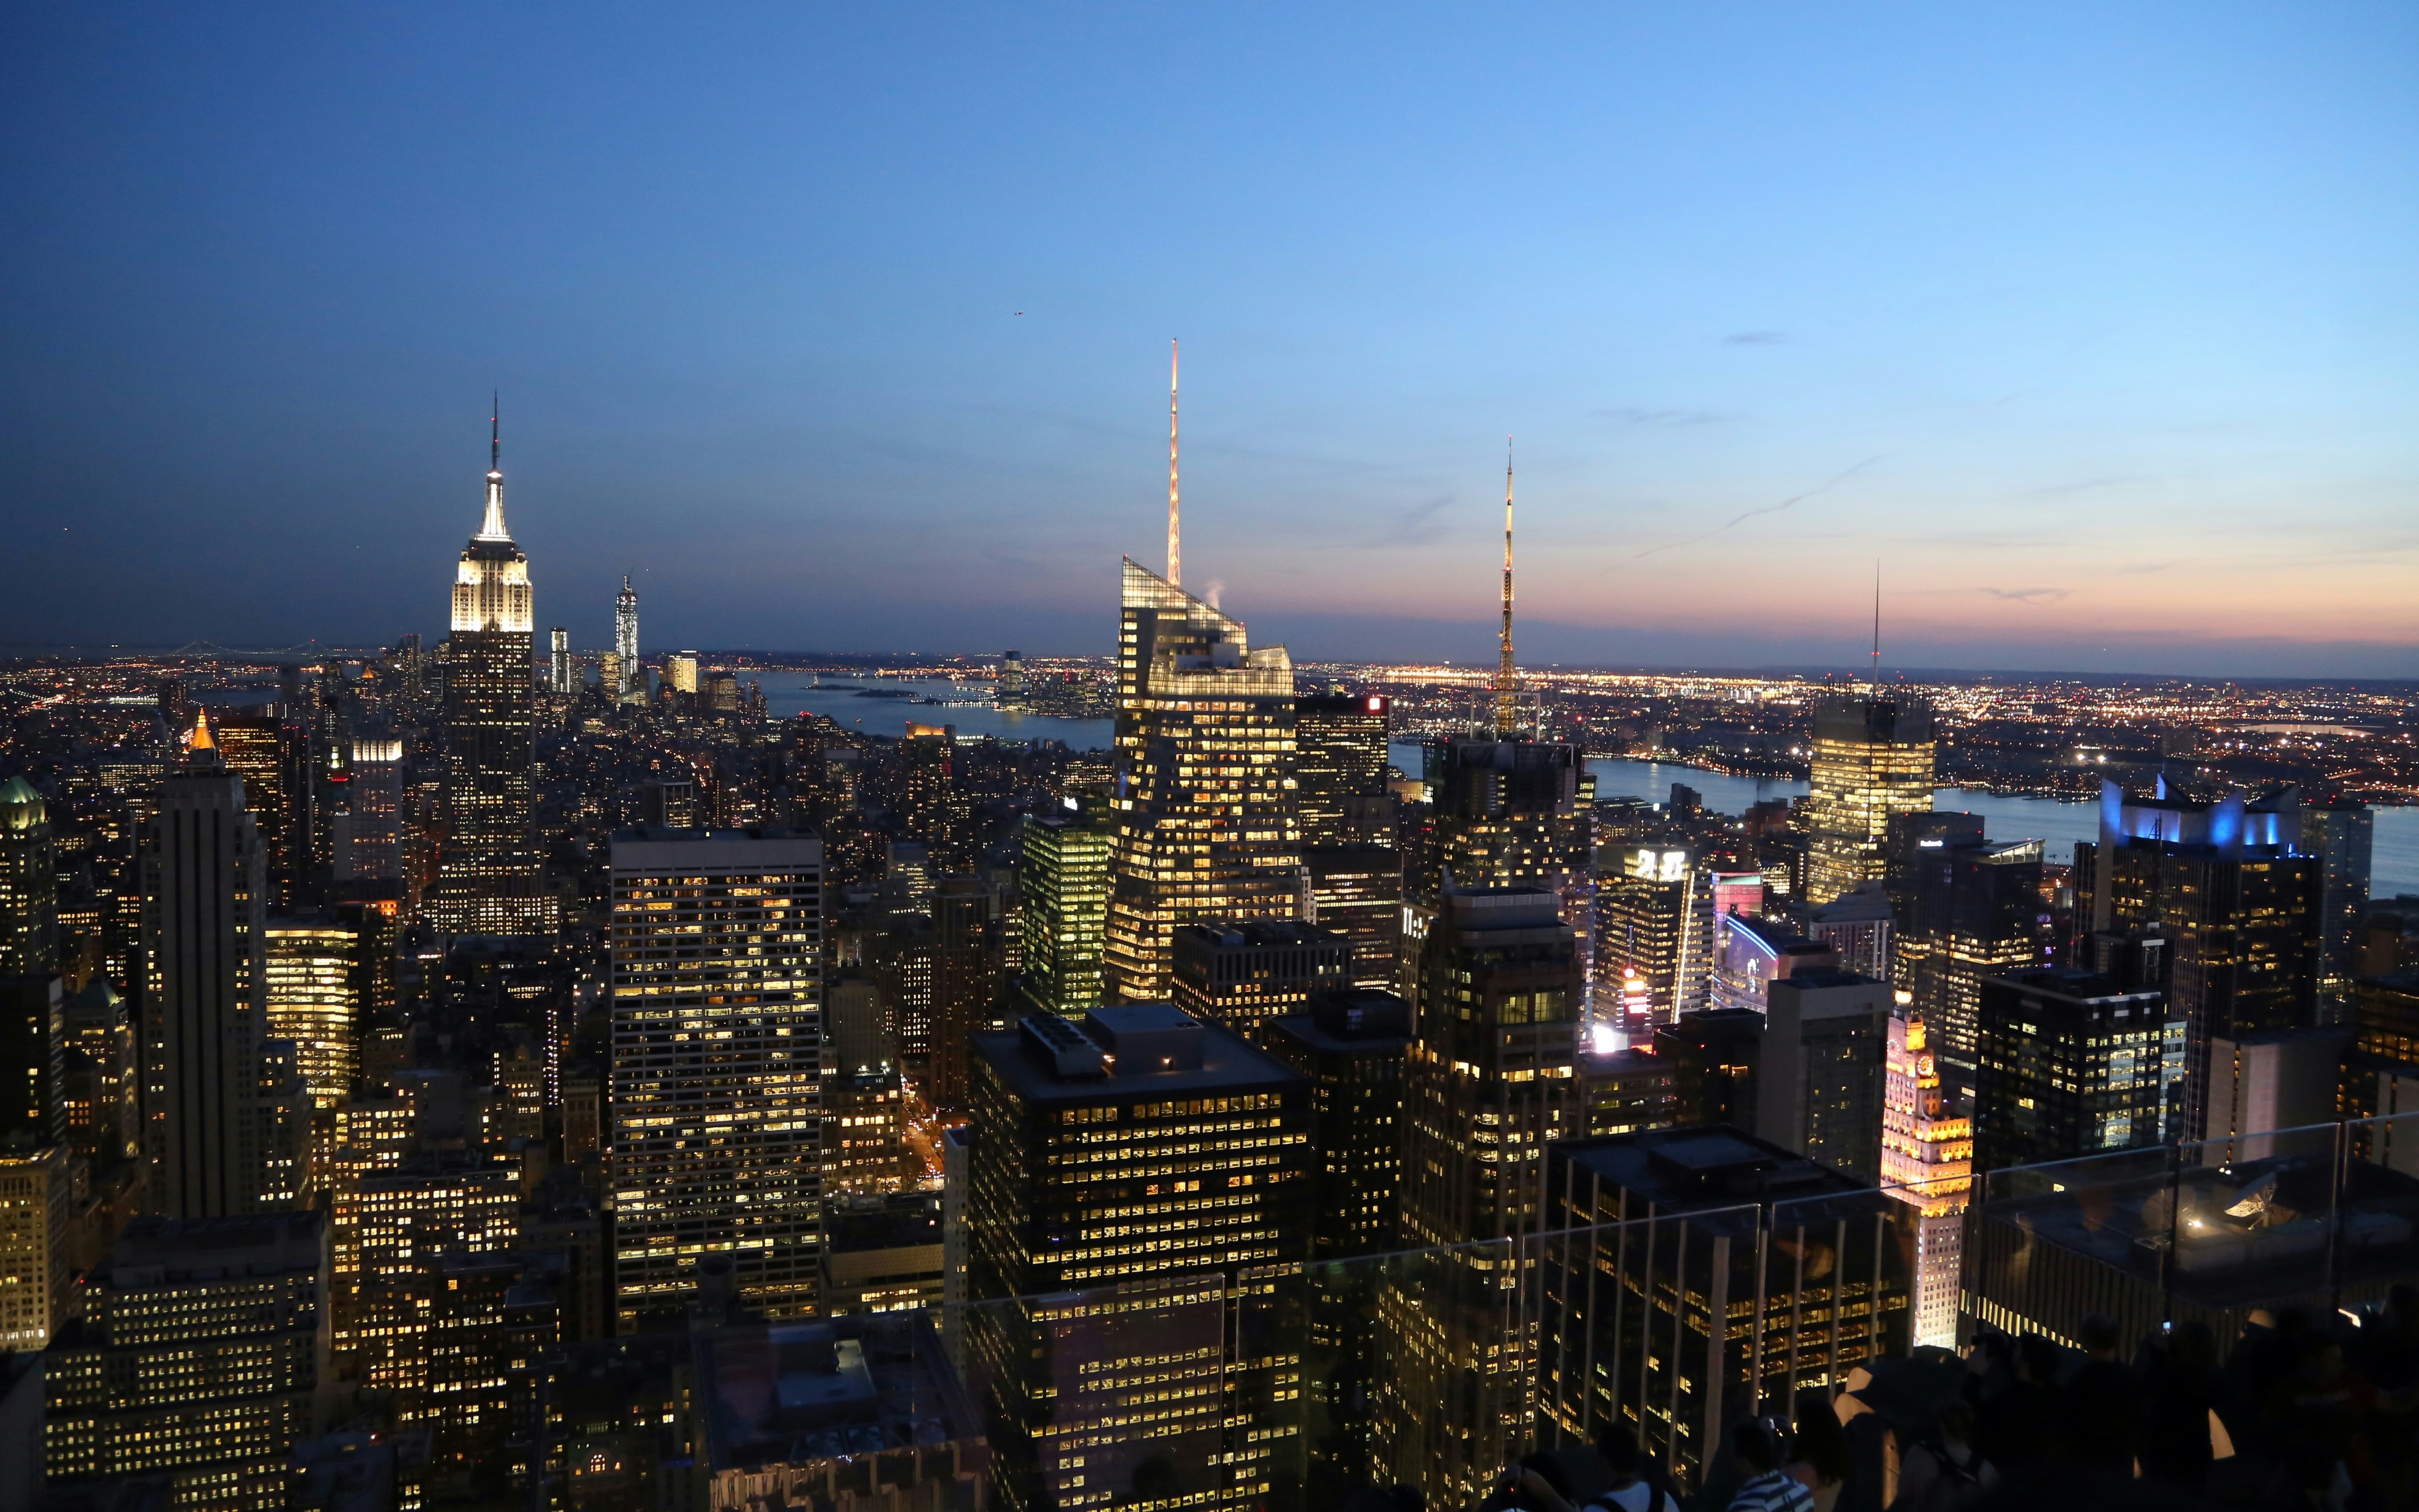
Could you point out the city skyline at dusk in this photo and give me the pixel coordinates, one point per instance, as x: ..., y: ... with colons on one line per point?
x: 1723, y: 814
x: 847, y: 335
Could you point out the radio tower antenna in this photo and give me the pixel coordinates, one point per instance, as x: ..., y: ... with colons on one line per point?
x: 1876, y: 684
x: 1505, y: 678
x: 1175, y: 520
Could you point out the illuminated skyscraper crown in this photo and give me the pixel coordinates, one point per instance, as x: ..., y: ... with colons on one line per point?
x: 491, y: 587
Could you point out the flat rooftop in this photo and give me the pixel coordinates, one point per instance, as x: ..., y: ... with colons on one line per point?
x: 1703, y: 1168
x: 1225, y: 1061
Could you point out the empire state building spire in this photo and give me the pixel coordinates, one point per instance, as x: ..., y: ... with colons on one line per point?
x: 1506, y: 680
x: 491, y: 585
x: 492, y: 528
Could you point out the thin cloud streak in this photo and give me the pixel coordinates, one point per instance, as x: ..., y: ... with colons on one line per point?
x: 1768, y: 509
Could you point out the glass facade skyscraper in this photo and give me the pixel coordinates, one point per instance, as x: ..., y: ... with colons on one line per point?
x: 2070, y: 1063
x: 313, y: 995
x: 1204, y: 798
x: 1062, y: 908
x: 1873, y: 758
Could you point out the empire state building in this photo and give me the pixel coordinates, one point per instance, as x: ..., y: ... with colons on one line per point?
x: 488, y: 880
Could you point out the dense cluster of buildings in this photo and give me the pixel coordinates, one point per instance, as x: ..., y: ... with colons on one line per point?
x: 492, y: 1076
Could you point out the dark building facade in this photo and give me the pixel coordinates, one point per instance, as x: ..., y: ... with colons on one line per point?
x: 1492, y: 1081
x: 1357, y: 891
x: 1506, y: 813
x: 1970, y: 908
x: 1716, y: 1057
x: 1340, y: 769
x: 205, y: 887
x: 1352, y: 1045
x: 2071, y: 1064
x: 2239, y: 906
x: 1691, y: 1277
x: 1826, y: 1042
x: 1240, y: 974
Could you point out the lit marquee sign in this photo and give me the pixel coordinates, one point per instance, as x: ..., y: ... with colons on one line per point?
x: 1659, y: 866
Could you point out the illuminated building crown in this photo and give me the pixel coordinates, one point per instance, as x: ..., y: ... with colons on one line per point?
x: 491, y: 586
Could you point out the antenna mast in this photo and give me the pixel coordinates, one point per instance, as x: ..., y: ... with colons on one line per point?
x: 1175, y: 533
x: 1875, y: 686
x: 1504, y: 676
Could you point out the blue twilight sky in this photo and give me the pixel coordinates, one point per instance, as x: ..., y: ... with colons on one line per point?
x: 2095, y: 324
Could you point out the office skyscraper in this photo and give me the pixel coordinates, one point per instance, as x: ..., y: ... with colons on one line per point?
x: 632, y: 687
x: 202, y: 1358
x: 1357, y: 891
x: 717, y: 1052
x: 1496, y: 1045
x: 1062, y: 907
x: 29, y: 886
x: 929, y: 794
x: 1973, y: 910
x: 1340, y: 769
x: 1077, y: 1182
x: 562, y: 673
x: 1008, y: 691
x: 1239, y: 975
x: 204, y: 908
x: 102, y: 1094
x: 36, y: 1268
x: 1506, y: 813
x: 680, y: 671
x: 1928, y: 1163
x: 487, y: 875
x: 1873, y: 758
x: 1767, y: 1275
x: 1860, y: 928
x: 2340, y: 834
x: 1352, y: 1045
x: 368, y: 836
x: 1126, y: 1171
x: 1654, y: 953
x: 1716, y: 1059
x: 2070, y: 1064
x: 1820, y: 1092
x: 1490, y: 1080
x: 966, y: 961
x: 315, y: 976
x: 273, y: 758
x: 1205, y: 744
x: 2381, y: 1070
x: 2228, y: 887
